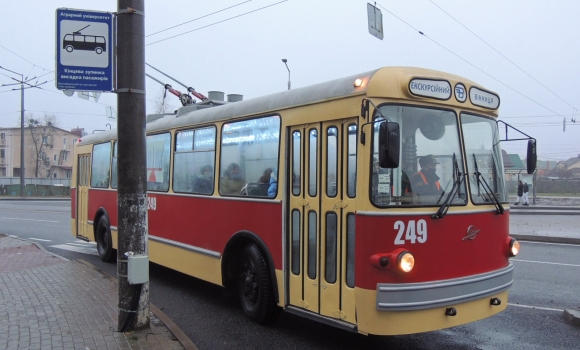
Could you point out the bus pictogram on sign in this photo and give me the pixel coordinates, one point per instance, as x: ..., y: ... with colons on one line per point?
x: 77, y: 41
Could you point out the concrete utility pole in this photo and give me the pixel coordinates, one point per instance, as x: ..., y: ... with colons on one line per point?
x: 132, y: 190
x: 22, y: 81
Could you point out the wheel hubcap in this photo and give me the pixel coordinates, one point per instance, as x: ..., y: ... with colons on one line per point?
x: 250, y: 286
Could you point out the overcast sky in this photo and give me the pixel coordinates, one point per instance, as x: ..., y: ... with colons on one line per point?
x: 525, y: 50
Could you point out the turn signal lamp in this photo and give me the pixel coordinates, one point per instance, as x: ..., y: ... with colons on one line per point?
x: 514, y: 246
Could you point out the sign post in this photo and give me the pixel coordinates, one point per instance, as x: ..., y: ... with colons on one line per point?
x: 131, y: 162
x: 84, y: 50
x: 84, y: 62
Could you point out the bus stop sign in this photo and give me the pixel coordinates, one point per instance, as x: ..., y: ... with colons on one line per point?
x: 84, y: 50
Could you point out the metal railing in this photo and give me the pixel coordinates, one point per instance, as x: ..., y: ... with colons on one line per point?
x: 36, y: 181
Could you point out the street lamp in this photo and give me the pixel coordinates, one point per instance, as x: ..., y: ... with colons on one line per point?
x: 285, y: 62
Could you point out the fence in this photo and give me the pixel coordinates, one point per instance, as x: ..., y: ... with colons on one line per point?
x: 10, y: 186
x: 35, y: 181
x: 547, y: 186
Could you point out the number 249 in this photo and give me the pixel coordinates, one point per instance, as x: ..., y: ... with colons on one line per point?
x: 414, y: 232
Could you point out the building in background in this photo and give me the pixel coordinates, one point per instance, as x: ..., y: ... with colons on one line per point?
x: 48, y: 151
x: 568, y: 169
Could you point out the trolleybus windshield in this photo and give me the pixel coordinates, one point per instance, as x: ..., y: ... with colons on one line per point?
x: 430, y: 146
x: 483, y: 156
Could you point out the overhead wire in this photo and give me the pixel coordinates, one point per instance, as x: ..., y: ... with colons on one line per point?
x: 502, y: 55
x: 466, y: 61
x: 195, y: 19
x: 212, y: 24
x: 33, y: 64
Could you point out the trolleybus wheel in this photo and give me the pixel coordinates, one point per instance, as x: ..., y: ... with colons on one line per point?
x: 104, y: 240
x: 254, y: 286
x: 69, y: 48
x: 99, y: 50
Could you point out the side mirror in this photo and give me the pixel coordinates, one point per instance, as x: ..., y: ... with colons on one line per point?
x: 532, y: 156
x: 389, y: 143
x: 364, y: 108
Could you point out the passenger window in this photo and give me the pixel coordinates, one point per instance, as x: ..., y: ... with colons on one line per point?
x: 194, y: 161
x: 158, y: 149
x: 114, y: 172
x: 101, y: 166
x: 249, y: 157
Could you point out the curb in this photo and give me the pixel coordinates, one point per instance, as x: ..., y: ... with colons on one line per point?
x: 6, y: 198
x: 39, y: 247
x: 572, y: 316
x: 548, y: 239
x: 535, y: 211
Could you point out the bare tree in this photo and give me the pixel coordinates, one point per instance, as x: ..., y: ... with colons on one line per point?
x: 42, y: 134
x: 161, y: 105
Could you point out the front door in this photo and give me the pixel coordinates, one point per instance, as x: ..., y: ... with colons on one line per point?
x: 321, y: 220
x: 83, y: 178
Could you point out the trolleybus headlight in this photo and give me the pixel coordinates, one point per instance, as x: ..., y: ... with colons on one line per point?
x: 358, y: 82
x: 514, y: 246
x: 405, y: 261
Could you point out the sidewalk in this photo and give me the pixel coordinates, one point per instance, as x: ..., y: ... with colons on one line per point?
x: 49, y: 302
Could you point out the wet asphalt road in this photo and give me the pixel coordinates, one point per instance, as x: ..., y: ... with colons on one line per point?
x: 545, y: 282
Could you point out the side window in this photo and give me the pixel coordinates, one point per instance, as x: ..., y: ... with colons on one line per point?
x: 249, y: 157
x: 313, y: 161
x: 296, y: 162
x: 331, y: 161
x: 194, y: 161
x: 158, y: 149
x: 101, y: 166
x: 351, y: 174
x: 114, y: 172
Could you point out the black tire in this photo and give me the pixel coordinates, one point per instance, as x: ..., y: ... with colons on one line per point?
x: 255, y: 286
x: 104, y: 240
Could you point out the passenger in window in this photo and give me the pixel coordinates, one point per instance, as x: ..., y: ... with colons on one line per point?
x: 204, y: 182
x: 233, y: 181
x: 273, y: 189
x: 426, y: 182
x: 265, y: 178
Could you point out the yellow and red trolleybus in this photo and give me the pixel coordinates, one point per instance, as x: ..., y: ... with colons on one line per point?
x: 304, y: 200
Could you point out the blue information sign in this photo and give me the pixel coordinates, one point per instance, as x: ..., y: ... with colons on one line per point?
x: 84, y: 50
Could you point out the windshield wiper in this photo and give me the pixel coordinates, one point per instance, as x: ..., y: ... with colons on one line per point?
x: 486, y: 188
x: 458, y: 178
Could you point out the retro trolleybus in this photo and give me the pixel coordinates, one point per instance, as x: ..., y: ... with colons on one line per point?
x: 304, y: 200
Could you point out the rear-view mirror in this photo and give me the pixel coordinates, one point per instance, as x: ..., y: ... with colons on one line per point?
x: 389, y: 143
x: 532, y: 156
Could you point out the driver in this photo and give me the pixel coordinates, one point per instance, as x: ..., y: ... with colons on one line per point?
x: 426, y: 182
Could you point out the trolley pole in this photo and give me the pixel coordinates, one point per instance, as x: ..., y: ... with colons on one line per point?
x: 132, y: 190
